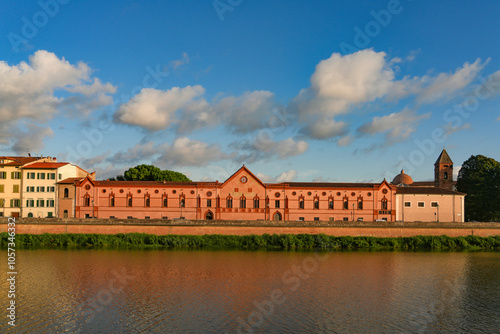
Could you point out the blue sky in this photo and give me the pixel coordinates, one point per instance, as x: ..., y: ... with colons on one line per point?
x: 295, y: 90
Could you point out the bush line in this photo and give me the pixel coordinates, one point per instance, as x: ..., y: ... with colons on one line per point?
x: 276, y: 241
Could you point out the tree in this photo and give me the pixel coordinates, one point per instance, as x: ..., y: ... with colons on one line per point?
x: 479, y: 178
x: 151, y: 173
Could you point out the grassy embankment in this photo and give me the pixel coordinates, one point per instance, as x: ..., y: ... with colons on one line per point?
x: 266, y: 241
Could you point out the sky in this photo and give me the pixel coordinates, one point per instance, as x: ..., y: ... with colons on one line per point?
x: 334, y: 91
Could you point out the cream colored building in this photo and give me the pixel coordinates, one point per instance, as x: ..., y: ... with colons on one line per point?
x: 39, y: 186
x: 11, y: 183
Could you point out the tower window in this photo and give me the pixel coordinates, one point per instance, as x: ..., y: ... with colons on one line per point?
x: 446, y: 175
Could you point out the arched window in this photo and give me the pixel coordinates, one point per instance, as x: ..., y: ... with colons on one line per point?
x: 66, y: 192
x: 301, y: 202
x: 446, y: 175
x: 243, y: 202
x: 182, y: 202
x: 360, y: 203
x: 316, y: 202
x: 256, y: 202
x: 111, y: 200
x: 129, y: 200
x: 209, y: 215
x: 346, y: 203
x: 384, y: 203
x: 86, y: 200
x: 229, y: 202
x: 148, y: 201
x: 165, y: 201
x: 330, y: 203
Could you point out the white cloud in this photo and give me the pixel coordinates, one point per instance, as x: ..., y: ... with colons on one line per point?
x: 30, y: 140
x: 345, y: 141
x: 155, y: 109
x: 324, y: 129
x: 264, y: 147
x: 187, y: 152
x: 397, y: 126
x: 27, y: 90
x: 449, y: 129
x: 445, y: 84
x: 179, y: 62
x: 287, y: 176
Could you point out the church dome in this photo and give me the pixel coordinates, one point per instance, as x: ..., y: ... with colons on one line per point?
x: 402, y: 178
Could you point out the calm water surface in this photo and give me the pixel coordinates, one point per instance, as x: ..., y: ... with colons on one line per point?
x: 130, y: 291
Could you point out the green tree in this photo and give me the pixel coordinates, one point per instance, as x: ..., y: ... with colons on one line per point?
x: 479, y: 178
x: 151, y: 173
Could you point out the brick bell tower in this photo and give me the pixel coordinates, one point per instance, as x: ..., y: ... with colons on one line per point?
x: 443, y: 171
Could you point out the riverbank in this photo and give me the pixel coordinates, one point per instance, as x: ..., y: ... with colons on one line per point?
x: 202, y: 227
x: 266, y: 241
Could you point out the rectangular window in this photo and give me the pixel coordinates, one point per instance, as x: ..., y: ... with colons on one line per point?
x: 243, y: 203
x: 49, y: 215
x: 51, y: 189
x: 229, y: 203
x: 40, y: 176
x: 301, y: 204
x: 112, y: 201
x: 31, y: 176
x: 15, y: 203
x: 147, y: 217
x: 129, y: 201
x: 360, y: 205
x: 421, y: 204
x: 301, y: 219
x: 316, y: 219
x: 60, y: 176
x: 209, y: 203
x: 148, y: 202
x: 2, y: 201
x: 346, y: 205
x: 434, y: 204
x: 332, y: 219
x: 3, y: 175
x: 111, y: 217
x: 52, y: 176
x: 1, y: 188
x: 408, y: 204
x: 50, y: 203
x: 16, y: 175
x: 346, y: 219
x: 30, y: 203
x: 15, y: 188
x: 165, y: 202
x: 277, y: 204
x: 40, y: 203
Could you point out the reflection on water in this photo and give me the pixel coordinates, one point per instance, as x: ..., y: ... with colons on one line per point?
x: 100, y: 291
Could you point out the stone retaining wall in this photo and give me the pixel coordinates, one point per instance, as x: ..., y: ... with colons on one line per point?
x: 376, y: 229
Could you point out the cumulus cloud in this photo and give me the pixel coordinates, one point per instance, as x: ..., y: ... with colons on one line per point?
x: 187, y: 152
x: 186, y: 110
x: 396, y: 126
x: 30, y: 140
x: 287, y: 176
x: 445, y: 84
x: 155, y: 109
x: 28, y: 90
x: 182, y: 152
x: 263, y: 147
x: 341, y: 84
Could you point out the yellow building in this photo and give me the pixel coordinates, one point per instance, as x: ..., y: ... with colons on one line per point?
x: 11, y: 183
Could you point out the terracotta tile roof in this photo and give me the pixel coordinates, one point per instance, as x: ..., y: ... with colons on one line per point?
x: 71, y: 180
x: 46, y: 165
x: 426, y: 191
x: 17, y: 161
x: 331, y: 185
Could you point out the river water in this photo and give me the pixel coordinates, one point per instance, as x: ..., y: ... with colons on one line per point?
x: 165, y: 291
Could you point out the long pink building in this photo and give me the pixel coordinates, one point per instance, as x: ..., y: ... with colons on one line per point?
x: 243, y: 196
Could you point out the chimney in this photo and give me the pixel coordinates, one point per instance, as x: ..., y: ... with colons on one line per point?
x: 54, y: 159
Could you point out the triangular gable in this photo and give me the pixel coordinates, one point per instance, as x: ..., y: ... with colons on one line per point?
x: 244, y: 170
x: 87, y: 178
x: 384, y: 182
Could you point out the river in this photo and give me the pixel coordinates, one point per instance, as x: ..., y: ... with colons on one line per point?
x: 174, y: 291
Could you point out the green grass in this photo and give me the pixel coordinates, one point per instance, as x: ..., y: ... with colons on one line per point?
x: 275, y: 241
